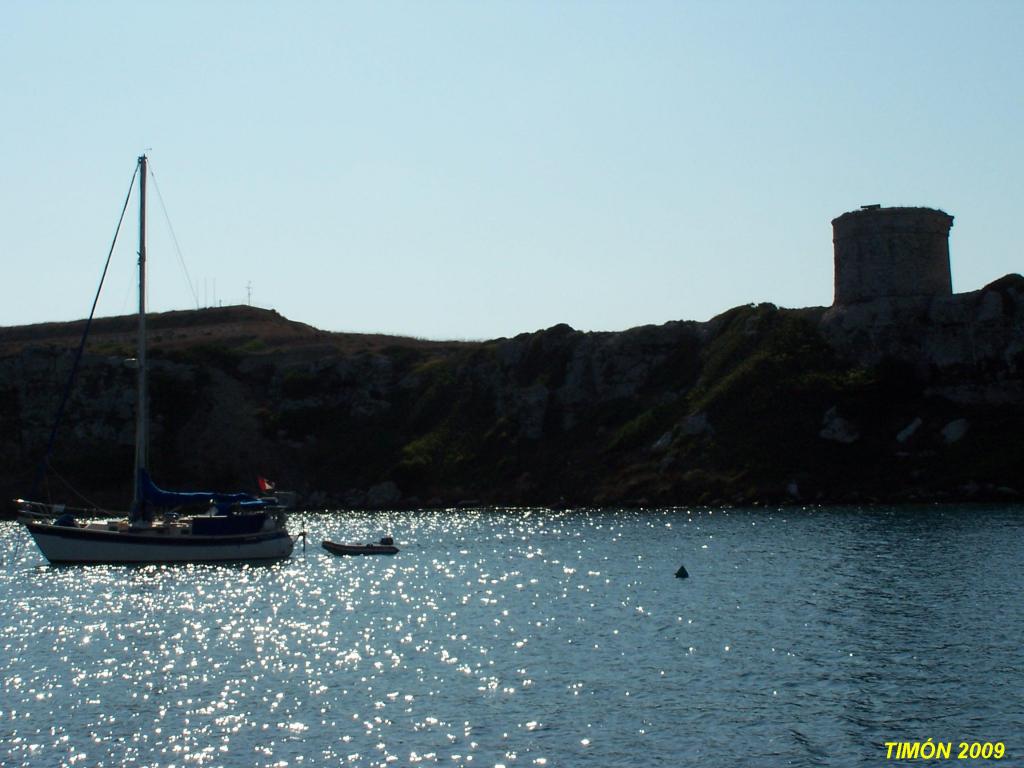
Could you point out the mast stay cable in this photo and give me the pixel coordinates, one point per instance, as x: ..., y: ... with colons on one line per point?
x: 41, y: 471
x: 174, y: 237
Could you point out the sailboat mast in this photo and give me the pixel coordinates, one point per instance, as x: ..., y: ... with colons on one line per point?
x: 142, y: 406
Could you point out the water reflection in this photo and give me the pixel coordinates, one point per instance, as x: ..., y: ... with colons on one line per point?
x: 524, y: 637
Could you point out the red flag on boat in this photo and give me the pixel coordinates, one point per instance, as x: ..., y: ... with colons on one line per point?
x: 265, y: 485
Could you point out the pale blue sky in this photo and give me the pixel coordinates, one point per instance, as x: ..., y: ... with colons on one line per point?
x: 479, y: 169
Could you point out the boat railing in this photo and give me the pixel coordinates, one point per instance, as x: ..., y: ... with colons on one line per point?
x: 40, y: 510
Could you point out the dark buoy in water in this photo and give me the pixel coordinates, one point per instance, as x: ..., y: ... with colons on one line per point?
x: 681, y: 573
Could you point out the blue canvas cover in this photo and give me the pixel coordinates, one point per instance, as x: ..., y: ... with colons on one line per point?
x: 223, y: 501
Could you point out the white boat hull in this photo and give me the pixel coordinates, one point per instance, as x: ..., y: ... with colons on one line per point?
x: 82, y: 545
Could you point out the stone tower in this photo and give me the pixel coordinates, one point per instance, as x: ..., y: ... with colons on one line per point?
x: 891, y: 252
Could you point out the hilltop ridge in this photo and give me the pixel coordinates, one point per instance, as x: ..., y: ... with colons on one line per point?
x: 231, y: 326
x: 897, y: 399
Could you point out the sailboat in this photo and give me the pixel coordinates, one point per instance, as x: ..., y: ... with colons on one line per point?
x: 159, y: 527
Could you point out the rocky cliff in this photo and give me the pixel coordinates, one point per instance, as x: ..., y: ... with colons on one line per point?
x: 895, y: 399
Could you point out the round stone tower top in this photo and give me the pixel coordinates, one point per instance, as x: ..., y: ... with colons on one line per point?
x: 891, y: 252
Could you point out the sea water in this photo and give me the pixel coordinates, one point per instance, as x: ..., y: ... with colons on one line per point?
x: 530, y: 638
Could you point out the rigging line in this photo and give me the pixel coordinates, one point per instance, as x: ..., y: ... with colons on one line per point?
x: 81, y: 345
x: 174, y: 237
x: 93, y: 506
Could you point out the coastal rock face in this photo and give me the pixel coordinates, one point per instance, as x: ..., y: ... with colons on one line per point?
x: 969, y: 345
x: 889, y: 399
x: 837, y: 429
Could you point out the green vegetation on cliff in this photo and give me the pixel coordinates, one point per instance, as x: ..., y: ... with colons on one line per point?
x: 759, y: 404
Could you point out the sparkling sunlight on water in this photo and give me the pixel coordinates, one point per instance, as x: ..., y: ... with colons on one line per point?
x: 528, y: 638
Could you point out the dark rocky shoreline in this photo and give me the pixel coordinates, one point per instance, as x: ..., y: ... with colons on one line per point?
x: 893, y: 400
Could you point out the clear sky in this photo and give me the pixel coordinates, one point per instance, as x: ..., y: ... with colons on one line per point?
x: 480, y: 169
